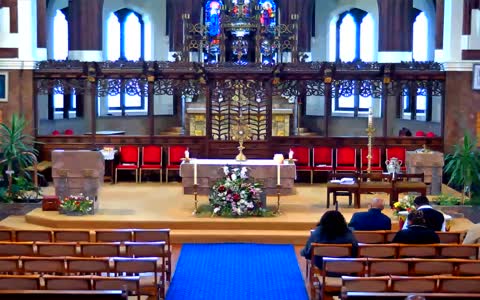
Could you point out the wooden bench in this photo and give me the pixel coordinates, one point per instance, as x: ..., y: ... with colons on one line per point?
x: 62, y: 295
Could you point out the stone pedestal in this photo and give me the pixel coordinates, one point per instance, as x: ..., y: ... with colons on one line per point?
x: 78, y: 171
x: 431, y: 165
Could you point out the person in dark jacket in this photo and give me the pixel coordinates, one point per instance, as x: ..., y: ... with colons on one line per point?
x: 433, y: 218
x: 332, y: 229
x: 417, y: 232
x: 373, y: 219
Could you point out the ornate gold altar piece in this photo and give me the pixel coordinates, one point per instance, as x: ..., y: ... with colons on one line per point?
x: 370, y: 132
x: 241, y: 133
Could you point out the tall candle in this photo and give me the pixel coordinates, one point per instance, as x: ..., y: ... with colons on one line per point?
x: 187, y: 154
x: 290, y: 154
x: 370, y: 117
x: 195, y: 172
x: 278, y: 174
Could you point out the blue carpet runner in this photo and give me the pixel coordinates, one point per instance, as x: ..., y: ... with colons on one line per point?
x: 237, y: 271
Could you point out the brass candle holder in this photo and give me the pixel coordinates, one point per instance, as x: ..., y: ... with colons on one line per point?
x: 240, y: 133
x: 277, y: 210
x: 195, y: 197
x: 370, y: 132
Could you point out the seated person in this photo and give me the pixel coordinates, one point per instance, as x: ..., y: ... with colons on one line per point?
x: 332, y: 229
x: 473, y: 235
x: 433, y: 218
x: 404, y: 132
x: 373, y: 219
x: 417, y: 231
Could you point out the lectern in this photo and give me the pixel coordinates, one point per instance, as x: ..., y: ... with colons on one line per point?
x: 78, y: 171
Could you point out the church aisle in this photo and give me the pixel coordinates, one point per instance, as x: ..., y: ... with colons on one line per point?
x: 237, y: 271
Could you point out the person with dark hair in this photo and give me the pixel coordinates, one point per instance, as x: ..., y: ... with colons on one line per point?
x: 404, y: 132
x: 417, y: 231
x: 373, y: 219
x: 433, y: 218
x: 331, y: 229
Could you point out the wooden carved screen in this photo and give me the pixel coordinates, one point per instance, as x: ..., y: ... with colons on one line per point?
x: 235, y: 101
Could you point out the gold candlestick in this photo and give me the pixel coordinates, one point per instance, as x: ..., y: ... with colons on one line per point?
x: 277, y: 211
x: 241, y: 133
x: 195, y: 196
x: 370, y: 131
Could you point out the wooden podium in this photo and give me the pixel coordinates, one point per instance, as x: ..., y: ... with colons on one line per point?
x: 431, y: 165
x: 78, y: 171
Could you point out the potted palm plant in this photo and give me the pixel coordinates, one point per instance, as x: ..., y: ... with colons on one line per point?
x: 463, y: 165
x: 17, y: 153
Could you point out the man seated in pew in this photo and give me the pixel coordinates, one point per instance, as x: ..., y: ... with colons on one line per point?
x: 417, y: 231
x: 373, y: 219
x: 331, y: 229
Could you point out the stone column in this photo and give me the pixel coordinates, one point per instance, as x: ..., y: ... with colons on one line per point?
x: 85, y: 23
x: 395, y: 40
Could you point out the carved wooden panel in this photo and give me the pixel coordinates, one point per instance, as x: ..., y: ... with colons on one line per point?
x: 235, y: 100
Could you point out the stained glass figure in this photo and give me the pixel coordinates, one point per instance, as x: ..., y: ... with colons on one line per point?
x: 268, y: 12
x: 212, y: 17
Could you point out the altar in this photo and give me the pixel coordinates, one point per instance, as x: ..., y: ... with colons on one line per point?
x: 266, y: 171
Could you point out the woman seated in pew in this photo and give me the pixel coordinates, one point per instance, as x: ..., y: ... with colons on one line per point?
x: 331, y: 229
x: 417, y: 231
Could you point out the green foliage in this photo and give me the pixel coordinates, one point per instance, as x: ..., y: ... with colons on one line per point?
x: 447, y: 200
x: 76, y: 203
x: 17, y: 153
x: 16, y: 146
x: 463, y: 165
x: 21, y: 190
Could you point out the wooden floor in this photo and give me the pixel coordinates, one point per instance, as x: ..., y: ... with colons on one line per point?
x: 155, y: 205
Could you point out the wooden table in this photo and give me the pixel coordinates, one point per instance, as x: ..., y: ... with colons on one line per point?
x: 333, y: 187
x: 260, y: 170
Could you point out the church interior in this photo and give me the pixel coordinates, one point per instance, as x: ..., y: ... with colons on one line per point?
x: 142, y: 105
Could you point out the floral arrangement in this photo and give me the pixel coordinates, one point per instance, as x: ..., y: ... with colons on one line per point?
x: 234, y: 195
x: 404, y: 204
x: 76, y: 204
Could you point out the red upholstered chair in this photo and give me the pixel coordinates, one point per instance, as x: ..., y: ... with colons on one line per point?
x: 129, y: 160
x: 302, y: 155
x: 322, y: 159
x: 55, y: 132
x: 346, y: 159
x: 420, y: 133
x: 376, y: 162
x: 430, y: 134
x: 398, y: 152
x: 175, y: 155
x: 68, y: 132
x: 151, y: 160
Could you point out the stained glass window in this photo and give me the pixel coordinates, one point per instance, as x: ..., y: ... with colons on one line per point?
x: 212, y: 17
x: 268, y: 13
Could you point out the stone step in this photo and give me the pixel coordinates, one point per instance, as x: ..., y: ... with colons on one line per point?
x: 240, y: 236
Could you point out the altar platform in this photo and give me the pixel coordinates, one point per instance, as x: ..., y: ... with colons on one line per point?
x: 156, y: 205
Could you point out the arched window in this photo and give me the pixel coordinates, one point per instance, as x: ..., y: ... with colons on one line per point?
x: 60, y: 35
x: 353, y: 32
x: 419, y: 53
x: 420, y: 37
x: 352, y: 39
x: 64, y: 105
x: 126, y: 32
x: 212, y: 21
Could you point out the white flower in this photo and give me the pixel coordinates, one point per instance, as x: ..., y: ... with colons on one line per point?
x: 234, y: 177
x: 216, y: 210
x: 243, y: 173
x: 226, y: 170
